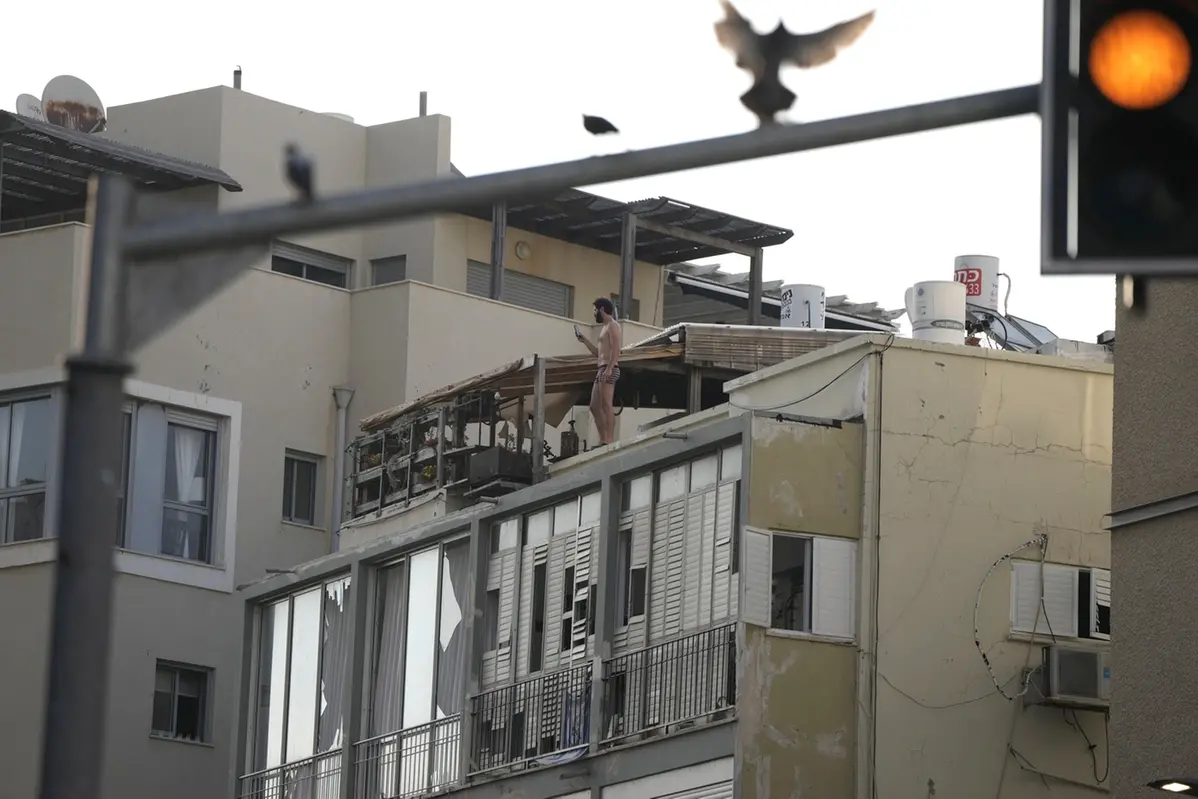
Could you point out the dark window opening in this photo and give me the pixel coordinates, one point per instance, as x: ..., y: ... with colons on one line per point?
x: 180, y: 700
x: 592, y: 600
x: 636, y: 592
x: 491, y: 621
x: 790, y: 605
x: 537, y: 653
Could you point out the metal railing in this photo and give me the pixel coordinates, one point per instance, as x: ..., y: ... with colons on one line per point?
x: 538, y: 722
x: 670, y: 684
x: 412, y: 762
x: 316, y: 777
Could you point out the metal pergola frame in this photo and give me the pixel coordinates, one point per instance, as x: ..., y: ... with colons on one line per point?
x: 72, y: 747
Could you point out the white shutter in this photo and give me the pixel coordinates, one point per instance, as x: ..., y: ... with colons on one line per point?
x: 756, y: 577
x: 722, y: 790
x: 1060, y: 599
x: 1100, y: 589
x: 833, y: 587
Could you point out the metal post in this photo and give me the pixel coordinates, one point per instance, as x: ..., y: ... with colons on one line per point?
x: 498, y: 247
x: 627, y: 264
x: 1, y: 185
x: 694, y: 389
x: 756, y: 262
x: 73, y: 740
x: 196, y: 233
x: 538, y: 421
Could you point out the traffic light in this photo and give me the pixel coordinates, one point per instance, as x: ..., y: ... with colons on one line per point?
x: 1119, y: 108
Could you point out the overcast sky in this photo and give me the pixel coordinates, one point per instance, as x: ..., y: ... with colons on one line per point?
x: 869, y: 219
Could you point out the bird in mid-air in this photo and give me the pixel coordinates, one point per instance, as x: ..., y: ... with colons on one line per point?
x: 763, y: 55
x: 298, y: 170
x: 597, y: 126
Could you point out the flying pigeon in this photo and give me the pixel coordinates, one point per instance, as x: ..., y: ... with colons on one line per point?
x: 299, y: 171
x: 597, y: 126
x: 763, y: 55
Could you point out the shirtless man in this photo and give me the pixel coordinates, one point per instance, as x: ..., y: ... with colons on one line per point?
x: 608, y: 352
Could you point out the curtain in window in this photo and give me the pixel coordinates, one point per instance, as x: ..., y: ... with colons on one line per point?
x: 14, y: 443
x: 452, y: 660
x: 386, y: 710
x: 336, y: 663
x: 189, y: 448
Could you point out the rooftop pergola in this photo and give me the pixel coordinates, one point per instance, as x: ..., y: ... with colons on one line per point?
x: 44, y: 169
x: 659, y: 231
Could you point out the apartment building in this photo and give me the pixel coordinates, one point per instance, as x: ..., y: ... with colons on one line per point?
x: 1152, y: 540
x: 236, y: 414
x: 878, y: 568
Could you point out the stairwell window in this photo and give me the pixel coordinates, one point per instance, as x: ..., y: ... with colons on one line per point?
x: 299, y: 488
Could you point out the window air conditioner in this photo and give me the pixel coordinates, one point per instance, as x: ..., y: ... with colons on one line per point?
x: 1072, y: 677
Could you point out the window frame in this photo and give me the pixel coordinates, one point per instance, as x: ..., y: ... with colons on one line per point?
x: 309, y: 258
x: 49, y: 487
x: 205, y: 674
x: 812, y: 593
x: 1082, y: 608
x: 389, y: 261
x: 291, y: 457
x: 215, y: 479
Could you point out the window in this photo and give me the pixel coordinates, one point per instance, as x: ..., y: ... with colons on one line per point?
x: 637, y: 493
x: 299, y: 488
x: 491, y: 621
x: 388, y: 270
x: 1076, y: 601
x: 180, y: 702
x: 800, y: 583
x: 303, y: 659
x: 634, y: 309
x: 319, y: 267
x: 527, y: 291
x: 630, y: 579
x: 27, y: 430
x: 505, y: 535
x: 168, y: 485
x: 536, y: 653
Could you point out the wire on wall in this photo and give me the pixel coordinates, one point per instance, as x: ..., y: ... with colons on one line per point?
x: 1039, y: 540
x: 788, y: 403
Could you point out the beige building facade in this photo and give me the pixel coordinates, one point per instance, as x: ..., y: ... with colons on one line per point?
x: 879, y: 569
x: 236, y: 414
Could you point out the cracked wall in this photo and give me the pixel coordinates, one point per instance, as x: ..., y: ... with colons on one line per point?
x: 797, y: 695
x: 980, y: 450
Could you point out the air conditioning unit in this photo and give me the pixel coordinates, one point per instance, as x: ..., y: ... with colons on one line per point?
x: 1072, y: 676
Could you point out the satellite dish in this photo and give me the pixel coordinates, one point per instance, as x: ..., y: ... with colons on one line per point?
x: 30, y: 106
x: 70, y: 103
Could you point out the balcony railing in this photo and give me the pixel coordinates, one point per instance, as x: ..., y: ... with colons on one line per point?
x: 414, y: 762
x: 316, y: 777
x: 537, y: 722
x: 669, y: 686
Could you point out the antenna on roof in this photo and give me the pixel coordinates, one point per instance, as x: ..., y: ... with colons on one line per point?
x: 70, y: 103
x: 424, y: 104
x: 237, y: 77
x: 30, y: 106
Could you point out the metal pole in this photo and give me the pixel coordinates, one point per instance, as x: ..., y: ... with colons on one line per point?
x: 498, y: 248
x: 756, y: 276
x: 538, y: 421
x: 627, y: 264
x: 73, y: 739
x: 190, y: 234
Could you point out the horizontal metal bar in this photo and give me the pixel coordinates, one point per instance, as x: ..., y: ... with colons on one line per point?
x: 446, y: 195
x: 695, y: 238
x: 1153, y: 510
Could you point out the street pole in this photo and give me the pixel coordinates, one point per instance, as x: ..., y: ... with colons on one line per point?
x: 73, y: 739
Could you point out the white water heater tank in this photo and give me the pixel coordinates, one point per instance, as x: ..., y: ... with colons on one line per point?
x: 979, y: 273
x: 803, y: 306
x: 936, y: 309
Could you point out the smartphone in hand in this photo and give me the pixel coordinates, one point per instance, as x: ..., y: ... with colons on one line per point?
x: 577, y: 333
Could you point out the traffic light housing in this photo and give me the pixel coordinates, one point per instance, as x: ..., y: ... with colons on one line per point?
x: 1119, y: 107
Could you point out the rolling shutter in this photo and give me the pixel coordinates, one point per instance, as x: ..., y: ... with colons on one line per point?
x: 527, y: 291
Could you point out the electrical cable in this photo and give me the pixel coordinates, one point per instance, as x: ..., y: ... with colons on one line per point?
x: 1090, y: 745
x: 1006, y: 300
x: 788, y: 403
x: 1040, y: 540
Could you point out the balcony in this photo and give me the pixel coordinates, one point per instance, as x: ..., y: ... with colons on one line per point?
x: 316, y: 777
x: 669, y: 687
x: 409, y: 763
x: 659, y: 690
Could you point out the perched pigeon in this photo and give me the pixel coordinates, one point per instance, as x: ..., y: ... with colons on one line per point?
x: 597, y: 126
x: 299, y: 171
x: 763, y: 55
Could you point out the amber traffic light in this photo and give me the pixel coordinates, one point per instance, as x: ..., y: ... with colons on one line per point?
x: 1120, y: 115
